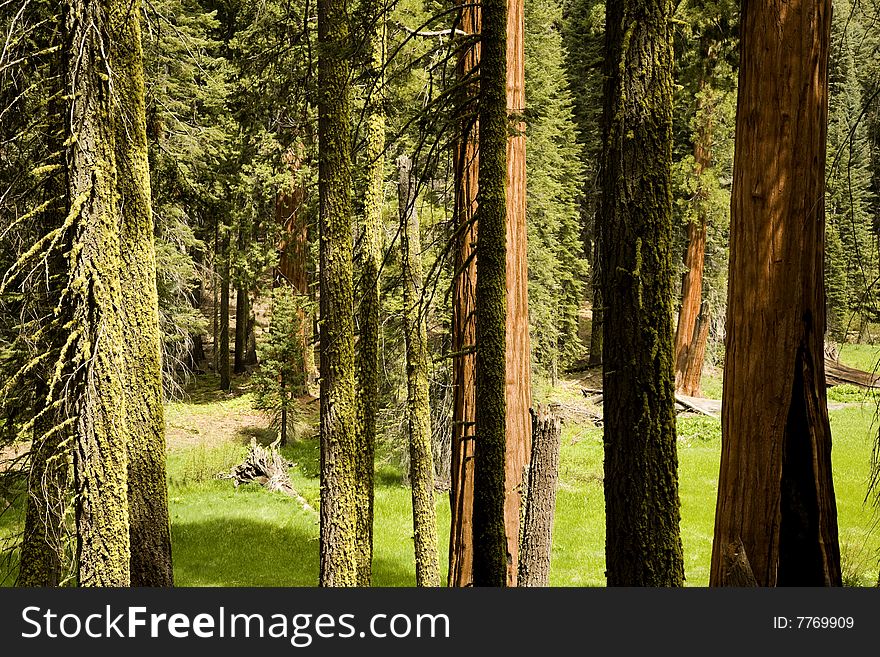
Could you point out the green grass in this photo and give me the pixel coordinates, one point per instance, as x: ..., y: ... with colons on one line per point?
x: 224, y: 536
x: 861, y: 356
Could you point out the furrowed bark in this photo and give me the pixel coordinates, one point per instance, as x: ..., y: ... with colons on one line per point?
x: 368, y: 340
x: 338, y: 560
x: 490, y: 538
x: 95, y: 297
x: 418, y: 393
x: 775, y: 490
x: 643, y: 544
x: 540, y: 500
x: 466, y: 168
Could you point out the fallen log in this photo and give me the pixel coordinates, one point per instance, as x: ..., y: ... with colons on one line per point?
x: 267, y: 467
x: 838, y: 374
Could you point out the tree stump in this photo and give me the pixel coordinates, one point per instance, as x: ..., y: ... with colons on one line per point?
x: 540, y: 499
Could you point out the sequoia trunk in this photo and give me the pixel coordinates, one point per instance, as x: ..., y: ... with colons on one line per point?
x: 775, y: 490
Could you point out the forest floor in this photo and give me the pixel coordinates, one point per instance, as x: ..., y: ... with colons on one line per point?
x: 247, y: 536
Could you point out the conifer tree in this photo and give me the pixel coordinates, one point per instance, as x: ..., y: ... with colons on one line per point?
x: 339, y: 563
x: 643, y: 543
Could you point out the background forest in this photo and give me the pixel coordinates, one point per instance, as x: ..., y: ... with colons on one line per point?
x: 219, y: 131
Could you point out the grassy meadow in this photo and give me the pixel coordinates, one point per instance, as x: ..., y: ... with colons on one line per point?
x: 224, y: 536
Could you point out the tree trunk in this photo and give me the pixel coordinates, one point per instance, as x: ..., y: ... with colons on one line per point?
x: 518, y: 364
x: 42, y: 545
x: 147, y: 486
x: 242, y: 316
x: 421, y: 461
x: 540, y: 500
x: 293, y: 265
x: 94, y: 301
x: 695, y: 257
x: 690, y: 382
x: 595, y: 358
x: 42, y: 559
x: 775, y: 490
x: 368, y: 341
x: 466, y: 166
x: 490, y: 536
x: 339, y: 561
x: 518, y: 349
x: 223, y: 351
x: 643, y: 543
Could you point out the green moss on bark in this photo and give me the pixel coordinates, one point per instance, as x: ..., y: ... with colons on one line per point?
x: 421, y: 458
x: 490, y: 539
x: 643, y: 544
x: 338, y: 561
x: 95, y: 300
x: 147, y: 488
x: 368, y: 342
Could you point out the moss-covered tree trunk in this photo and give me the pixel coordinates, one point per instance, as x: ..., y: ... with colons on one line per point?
x: 144, y: 414
x: 421, y: 458
x: 42, y: 561
x: 339, y: 562
x: 466, y: 166
x: 368, y: 383
x: 95, y: 299
x: 643, y: 543
x: 775, y: 490
x: 43, y: 541
x: 490, y: 538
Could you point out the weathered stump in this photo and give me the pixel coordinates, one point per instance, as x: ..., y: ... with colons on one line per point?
x: 540, y: 499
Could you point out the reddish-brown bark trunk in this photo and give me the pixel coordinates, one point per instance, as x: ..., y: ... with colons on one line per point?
x: 775, y: 491
x: 687, y: 346
x: 466, y: 164
x: 518, y: 368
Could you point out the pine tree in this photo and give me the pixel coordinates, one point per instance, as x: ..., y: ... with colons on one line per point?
x: 421, y: 460
x: 555, y: 176
x: 95, y: 298
x: 369, y: 309
x: 848, y: 176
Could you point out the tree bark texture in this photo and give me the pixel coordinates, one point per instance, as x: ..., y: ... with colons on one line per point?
x: 540, y: 500
x: 643, y: 544
x: 338, y: 552
x: 369, y: 310
x: 518, y: 346
x: 95, y: 300
x: 421, y: 458
x: 466, y: 168
x: 43, y: 559
x: 775, y: 491
x: 518, y: 364
x: 144, y: 412
x: 42, y: 547
x: 490, y: 536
